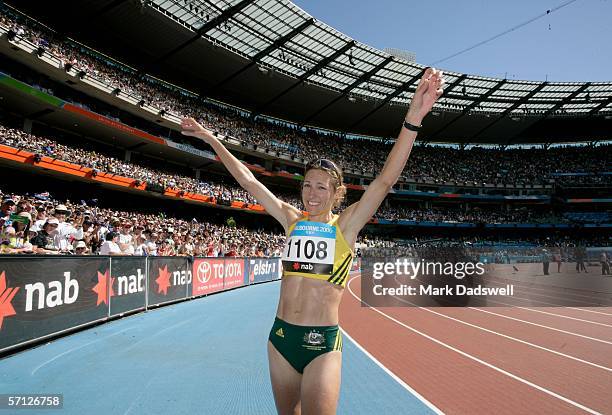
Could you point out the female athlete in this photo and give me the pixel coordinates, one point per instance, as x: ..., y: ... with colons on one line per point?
x: 305, y: 344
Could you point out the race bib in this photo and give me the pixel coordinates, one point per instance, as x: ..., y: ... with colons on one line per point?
x: 310, y: 248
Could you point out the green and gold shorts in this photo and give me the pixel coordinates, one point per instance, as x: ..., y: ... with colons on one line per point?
x: 299, y: 345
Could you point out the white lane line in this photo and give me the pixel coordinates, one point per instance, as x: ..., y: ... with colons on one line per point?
x: 393, y: 375
x: 37, y: 368
x: 157, y: 333
x: 590, y: 311
x: 474, y: 358
x: 538, y: 311
x: 521, y: 285
x: 541, y: 325
x: 553, y: 314
x: 519, y: 289
x: 545, y: 312
x: 536, y: 346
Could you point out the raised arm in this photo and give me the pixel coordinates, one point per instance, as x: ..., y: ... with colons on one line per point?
x: 357, y: 215
x: 281, y: 211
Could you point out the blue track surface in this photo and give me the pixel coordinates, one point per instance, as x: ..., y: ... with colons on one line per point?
x: 206, y: 356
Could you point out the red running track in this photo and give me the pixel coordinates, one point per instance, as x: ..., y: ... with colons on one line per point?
x: 469, y: 361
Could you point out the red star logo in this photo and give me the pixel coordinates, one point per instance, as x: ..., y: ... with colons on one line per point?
x: 163, y: 280
x: 6, y: 296
x: 296, y: 266
x: 101, y: 287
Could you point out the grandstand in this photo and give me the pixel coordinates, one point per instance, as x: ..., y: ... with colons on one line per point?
x: 522, y: 187
x: 90, y: 138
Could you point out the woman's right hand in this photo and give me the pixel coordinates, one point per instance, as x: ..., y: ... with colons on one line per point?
x: 191, y: 127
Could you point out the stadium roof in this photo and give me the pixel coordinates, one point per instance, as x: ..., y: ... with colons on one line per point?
x: 278, y: 35
x: 287, y: 64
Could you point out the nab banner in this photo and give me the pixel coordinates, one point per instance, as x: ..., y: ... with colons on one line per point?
x: 263, y: 269
x: 41, y: 296
x: 217, y: 274
x: 169, y: 279
x: 128, y: 284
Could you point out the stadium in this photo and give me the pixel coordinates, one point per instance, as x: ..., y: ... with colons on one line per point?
x: 142, y: 261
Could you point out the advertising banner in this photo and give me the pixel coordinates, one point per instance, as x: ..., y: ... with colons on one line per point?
x: 208, y: 276
x: 41, y: 296
x: 217, y: 274
x: 233, y: 272
x: 169, y: 279
x: 263, y: 269
x: 128, y: 284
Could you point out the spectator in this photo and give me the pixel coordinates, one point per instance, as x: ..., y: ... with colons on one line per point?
x: 604, y: 260
x: 109, y: 246
x: 80, y: 248
x: 44, y: 241
x: 67, y: 231
x: 141, y: 248
x: 126, y: 241
x: 151, y: 244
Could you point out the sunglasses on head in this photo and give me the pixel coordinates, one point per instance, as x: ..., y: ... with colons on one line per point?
x: 323, y: 164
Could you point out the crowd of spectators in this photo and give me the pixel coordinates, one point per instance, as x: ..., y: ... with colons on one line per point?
x: 101, y: 163
x: 77, y: 153
x: 41, y: 225
x: 473, y: 215
x: 494, y: 246
x: 431, y: 163
x: 38, y: 224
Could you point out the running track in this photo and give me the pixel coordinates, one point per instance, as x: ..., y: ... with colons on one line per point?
x: 498, y: 360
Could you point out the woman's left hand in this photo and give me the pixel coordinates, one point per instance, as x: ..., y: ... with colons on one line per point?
x: 430, y: 88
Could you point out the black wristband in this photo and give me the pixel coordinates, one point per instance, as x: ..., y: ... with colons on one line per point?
x: 411, y: 127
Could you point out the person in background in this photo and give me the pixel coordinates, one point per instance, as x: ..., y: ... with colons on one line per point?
x: 109, y: 246
x: 80, y: 248
x: 44, y: 242
x: 67, y: 231
x: 557, y: 258
x: 7, y: 207
x: 604, y: 261
x: 545, y: 260
x: 152, y: 244
x: 580, y: 254
x: 140, y: 244
x: 126, y: 243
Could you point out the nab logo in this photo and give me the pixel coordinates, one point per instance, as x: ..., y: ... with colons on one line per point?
x: 130, y: 284
x: 52, y: 295
x: 6, y: 296
x: 179, y: 277
x: 104, y: 288
x: 306, y: 267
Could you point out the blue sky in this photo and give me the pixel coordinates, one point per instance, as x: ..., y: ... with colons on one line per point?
x: 573, y: 43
